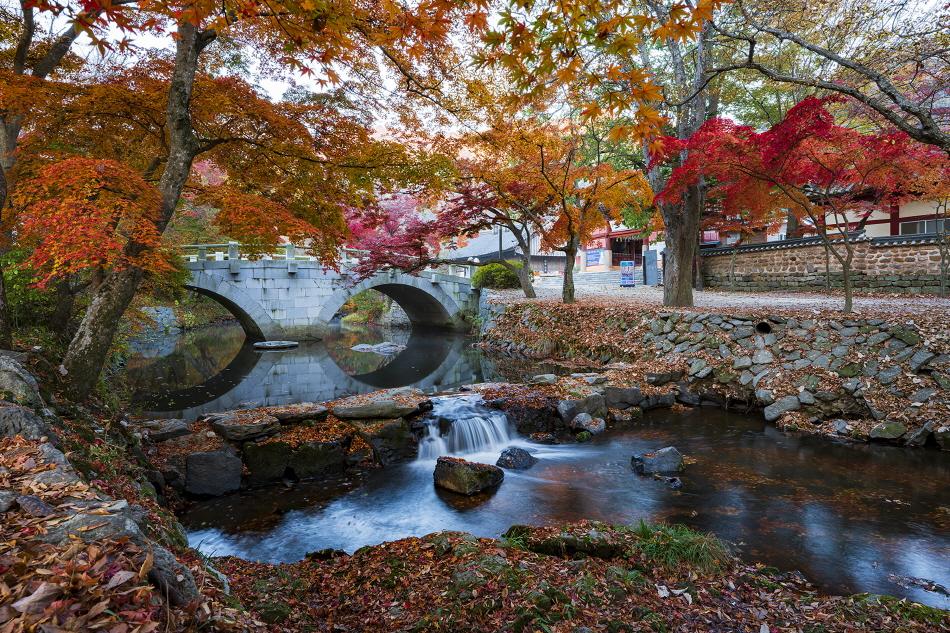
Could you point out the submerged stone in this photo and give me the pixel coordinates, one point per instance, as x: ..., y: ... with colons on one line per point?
x: 665, y: 460
x: 515, y: 458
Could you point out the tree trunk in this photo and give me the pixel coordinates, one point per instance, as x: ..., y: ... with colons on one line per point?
x: 791, y: 225
x: 90, y: 346
x: 525, y: 275
x: 570, y: 252
x: 846, y: 281
x: 63, y: 311
x: 6, y: 334
x: 682, y: 230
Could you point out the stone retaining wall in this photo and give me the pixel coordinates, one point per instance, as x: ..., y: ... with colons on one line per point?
x: 908, y: 267
x: 861, y: 378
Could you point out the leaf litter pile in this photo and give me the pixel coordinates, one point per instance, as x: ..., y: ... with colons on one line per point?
x: 604, y: 578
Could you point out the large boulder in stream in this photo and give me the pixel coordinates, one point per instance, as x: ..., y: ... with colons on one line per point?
x: 467, y: 478
x: 212, y: 473
x: 665, y: 460
x: 392, y: 440
x: 514, y: 458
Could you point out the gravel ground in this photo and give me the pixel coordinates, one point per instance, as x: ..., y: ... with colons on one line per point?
x: 905, y: 304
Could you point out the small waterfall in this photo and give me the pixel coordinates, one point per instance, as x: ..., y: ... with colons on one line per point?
x: 472, y: 428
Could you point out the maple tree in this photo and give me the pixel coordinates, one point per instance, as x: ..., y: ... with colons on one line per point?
x: 325, y: 39
x: 888, y: 56
x: 831, y: 176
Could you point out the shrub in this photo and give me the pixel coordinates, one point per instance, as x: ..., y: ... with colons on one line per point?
x: 496, y: 276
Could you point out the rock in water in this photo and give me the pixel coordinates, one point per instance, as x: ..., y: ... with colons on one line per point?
x: 665, y: 460
x: 887, y: 431
x: 213, y: 472
x: 584, y: 422
x: 467, y: 478
x: 515, y: 458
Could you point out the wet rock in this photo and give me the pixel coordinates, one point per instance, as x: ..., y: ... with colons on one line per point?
x: 585, y: 422
x: 621, y: 397
x: 887, y: 430
x: 543, y: 438
x: 780, y: 407
x: 377, y: 409
x: 657, y: 401
x: 687, y: 397
x: 162, y: 430
x: 942, y: 435
x: 464, y: 477
x: 673, y: 482
x: 764, y: 396
x: 532, y: 419
x: 17, y: 420
x: 919, y: 437
x: 17, y: 384
x: 392, y: 440
x: 311, y: 459
x: 544, y: 379
x: 665, y: 460
x: 242, y: 427
x: 212, y: 473
x: 514, y: 458
x: 626, y: 416
x: 662, y: 378
x: 266, y: 462
x: 595, y: 405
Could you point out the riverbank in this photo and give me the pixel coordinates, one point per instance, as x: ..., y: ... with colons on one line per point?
x: 96, y: 508
x: 877, y: 376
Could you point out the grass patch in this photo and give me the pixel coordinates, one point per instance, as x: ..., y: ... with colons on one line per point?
x: 674, y: 546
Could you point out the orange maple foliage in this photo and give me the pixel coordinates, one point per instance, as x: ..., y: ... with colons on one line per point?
x: 81, y: 214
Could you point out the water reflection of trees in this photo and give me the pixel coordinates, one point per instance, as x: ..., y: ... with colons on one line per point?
x: 339, y: 347
x: 195, y: 356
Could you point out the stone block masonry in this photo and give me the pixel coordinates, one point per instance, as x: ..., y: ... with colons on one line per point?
x: 274, y: 300
x: 880, y: 378
x: 902, y: 265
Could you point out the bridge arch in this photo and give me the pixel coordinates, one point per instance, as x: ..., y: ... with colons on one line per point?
x: 257, y: 324
x: 425, y: 302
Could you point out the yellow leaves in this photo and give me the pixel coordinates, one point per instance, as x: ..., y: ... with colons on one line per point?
x: 591, y: 110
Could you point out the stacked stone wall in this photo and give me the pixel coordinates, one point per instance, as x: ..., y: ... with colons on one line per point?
x: 907, y: 268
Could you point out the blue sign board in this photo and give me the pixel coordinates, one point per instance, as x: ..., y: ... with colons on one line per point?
x: 627, y: 270
x: 593, y: 257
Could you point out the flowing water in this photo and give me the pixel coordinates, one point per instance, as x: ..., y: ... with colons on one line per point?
x: 853, y: 518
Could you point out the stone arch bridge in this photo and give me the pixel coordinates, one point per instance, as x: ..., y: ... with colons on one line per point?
x: 293, y: 296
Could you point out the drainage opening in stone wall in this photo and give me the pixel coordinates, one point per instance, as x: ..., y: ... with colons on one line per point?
x: 763, y: 327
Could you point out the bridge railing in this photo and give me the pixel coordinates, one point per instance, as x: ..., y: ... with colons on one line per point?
x: 231, y: 251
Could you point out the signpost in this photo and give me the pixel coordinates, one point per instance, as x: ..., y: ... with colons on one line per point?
x: 627, y: 270
x: 593, y: 257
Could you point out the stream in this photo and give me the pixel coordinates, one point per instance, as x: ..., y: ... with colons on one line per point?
x: 852, y: 518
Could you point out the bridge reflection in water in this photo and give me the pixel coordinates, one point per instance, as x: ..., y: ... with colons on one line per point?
x: 314, y: 372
